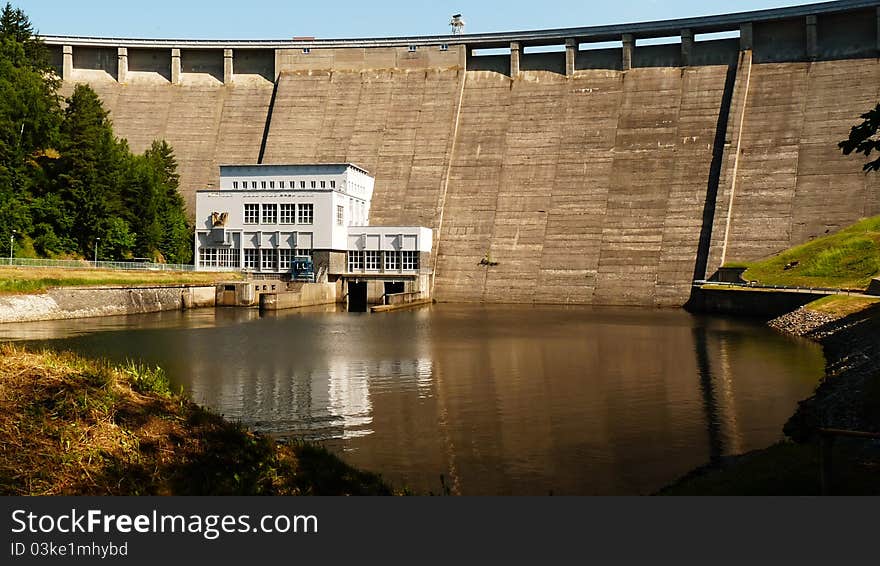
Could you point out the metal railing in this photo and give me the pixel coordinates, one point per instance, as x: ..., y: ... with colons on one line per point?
x: 84, y: 264
x: 786, y: 288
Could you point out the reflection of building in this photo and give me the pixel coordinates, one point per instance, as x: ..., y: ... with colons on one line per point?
x: 264, y: 216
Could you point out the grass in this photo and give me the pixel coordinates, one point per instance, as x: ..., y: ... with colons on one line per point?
x: 847, y: 259
x: 840, y: 306
x: 72, y: 426
x: 17, y: 280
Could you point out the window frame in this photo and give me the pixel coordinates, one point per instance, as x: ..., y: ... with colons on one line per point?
x: 302, y: 217
x: 254, y: 208
x: 264, y: 208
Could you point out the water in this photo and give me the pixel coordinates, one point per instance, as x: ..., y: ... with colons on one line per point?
x: 499, y: 400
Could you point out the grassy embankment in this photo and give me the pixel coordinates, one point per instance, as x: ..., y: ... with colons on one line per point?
x: 15, y: 280
x: 74, y: 426
x: 847, y: 259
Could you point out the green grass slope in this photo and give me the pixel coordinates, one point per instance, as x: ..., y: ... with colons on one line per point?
x: 847, y: 259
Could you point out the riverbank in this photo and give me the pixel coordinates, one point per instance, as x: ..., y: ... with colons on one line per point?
x: 72, y: 426
x: 848, y: 397
x: 33, y: 280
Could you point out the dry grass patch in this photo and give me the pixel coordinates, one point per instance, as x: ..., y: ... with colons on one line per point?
x: 70, y: 426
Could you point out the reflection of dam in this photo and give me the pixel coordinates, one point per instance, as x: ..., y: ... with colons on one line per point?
x: 585, y: 173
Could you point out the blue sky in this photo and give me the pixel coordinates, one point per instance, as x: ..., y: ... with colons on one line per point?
x: 280, y: 19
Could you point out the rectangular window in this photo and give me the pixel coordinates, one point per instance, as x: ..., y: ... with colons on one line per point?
x: 218, y: 257
x: 412, y: 48
x: 251, y: 213
x: 270, y: 259
x: 307, y: 50
x: 332, y: 184
x: 271, y: 184
x: 280, y: 184
x: 314, y: 184
x: 355, y: 261
x: 305, y: 213
x: 444, y: 47
x: 410, y: 260
x: 307, y: 252
x: 323, y: 184
x: 340, y: 215
x: 284, y: 259
x: 270, y: 213
x: 262, y: 184
x: 287, y: 212
x: 392, y: 261
x: 372, y: 260
x: 253, y: 184
x: 234, y: 184
x: 302, y: 184
x: 250, y: 258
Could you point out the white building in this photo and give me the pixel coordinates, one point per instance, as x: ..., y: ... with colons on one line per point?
x: 264, y: 216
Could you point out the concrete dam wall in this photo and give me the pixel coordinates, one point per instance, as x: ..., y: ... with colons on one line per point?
x: 608, y: 176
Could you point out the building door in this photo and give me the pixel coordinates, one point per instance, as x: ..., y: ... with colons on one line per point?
x: 357, y: 296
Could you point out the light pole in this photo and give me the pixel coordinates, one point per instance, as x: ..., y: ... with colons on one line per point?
x: 96, y: 251
x: 11, y: 241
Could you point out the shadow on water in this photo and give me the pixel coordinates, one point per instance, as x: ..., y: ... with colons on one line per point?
x: 709, y: 397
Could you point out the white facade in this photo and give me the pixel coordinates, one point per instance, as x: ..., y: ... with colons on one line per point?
x: 387, y: 249
x: 263, y: 216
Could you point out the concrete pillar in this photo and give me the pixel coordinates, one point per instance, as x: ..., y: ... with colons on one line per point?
x: 175, y: 66
x: 122, y: 66
x: 571, y: 49
x: 67, y: 66
x: 812, y: 38
x: 628, y: 44
x: 514, y: 59
x: 227, y: 66
x: 687, y: 47
x: 746, y: 42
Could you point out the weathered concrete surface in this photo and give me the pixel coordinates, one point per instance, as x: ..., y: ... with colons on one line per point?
x: 395, y: 123
x: 582, y: 190
x: 84, y: 302
x: 300, y: 295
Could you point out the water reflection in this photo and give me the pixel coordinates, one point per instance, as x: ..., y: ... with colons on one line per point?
x: 496, y: 399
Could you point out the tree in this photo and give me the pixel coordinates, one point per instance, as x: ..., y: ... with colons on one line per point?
x: 863, y: 138
x: 29, y: 118
x: 89, y: 171
x: 65, y: 178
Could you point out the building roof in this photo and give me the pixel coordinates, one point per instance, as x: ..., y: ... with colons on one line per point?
x: 297, y: 165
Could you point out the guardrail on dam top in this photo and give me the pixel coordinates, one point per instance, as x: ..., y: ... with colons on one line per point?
x: 829, y: 30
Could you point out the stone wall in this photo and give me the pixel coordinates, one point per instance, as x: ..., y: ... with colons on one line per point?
x: 84, y: 302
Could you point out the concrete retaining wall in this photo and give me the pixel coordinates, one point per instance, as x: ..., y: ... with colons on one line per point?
x: 760, y: 304
x: 84, y: 302
x: 308, y: 295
